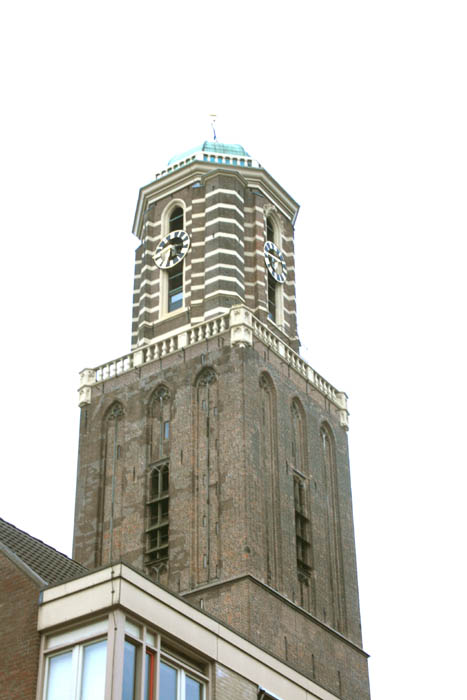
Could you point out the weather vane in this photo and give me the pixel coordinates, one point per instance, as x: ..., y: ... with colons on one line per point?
x: 213, y: 125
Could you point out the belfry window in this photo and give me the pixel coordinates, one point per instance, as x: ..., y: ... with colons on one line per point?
x: 176, y: 220
x: 175, y: 288
x: 269, y: 230
x: 272, y: 284
x: 175, y: 274
x: 272, y: 291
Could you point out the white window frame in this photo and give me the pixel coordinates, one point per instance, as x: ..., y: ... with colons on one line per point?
x: 164, y: 274
x: 77, y: 656
x: 146, y: 638
x: 278, y: 288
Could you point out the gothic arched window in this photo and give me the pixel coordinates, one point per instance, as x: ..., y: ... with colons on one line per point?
x: 157, y: 501
x: 298, y: 437
x: 206, y: 474
x: 160, y: 413
x: 334, y: 528
x: 271, y: 495
x: 113, y: 440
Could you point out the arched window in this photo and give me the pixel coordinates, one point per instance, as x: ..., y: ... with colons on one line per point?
x: 176, y: 219
x: 298, y: 437
x: 274, y: 288
x: 169, y: 257
x: 272, y: 284
x: 334, y: 528
x: 113, y: 440
x: 206, y: 473
x: 303, y: 541
x: 157, y: 500
x: 159, y: 410
x: 175, y: 274
x: 270, y: 488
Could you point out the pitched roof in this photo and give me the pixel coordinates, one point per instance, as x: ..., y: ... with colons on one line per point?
x: 45, y: 562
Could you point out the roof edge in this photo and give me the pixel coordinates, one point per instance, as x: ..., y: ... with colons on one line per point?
x: 25, y: 568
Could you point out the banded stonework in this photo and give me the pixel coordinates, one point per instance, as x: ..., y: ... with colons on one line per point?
x: 225, y: 215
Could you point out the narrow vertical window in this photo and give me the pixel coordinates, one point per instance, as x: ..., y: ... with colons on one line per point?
x: 176, y: 219
x: 150, y: 662
x: 129, y: 671
x: 160, y: 414
x: 301, y: 527
x: 272, y: 284
x: 157, y: 502
x: 175, y: 288
x: 175, y: 274
x: 334, y: 530
x: 158, y: 516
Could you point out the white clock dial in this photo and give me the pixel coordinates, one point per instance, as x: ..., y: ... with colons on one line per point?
x: 275, y: 262
x: 172, y: 249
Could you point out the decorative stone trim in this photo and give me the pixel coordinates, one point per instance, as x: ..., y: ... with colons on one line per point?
x: 243, y: 326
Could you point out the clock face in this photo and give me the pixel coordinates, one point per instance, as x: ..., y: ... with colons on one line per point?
x: 172, y: 249
x: 275, y: 262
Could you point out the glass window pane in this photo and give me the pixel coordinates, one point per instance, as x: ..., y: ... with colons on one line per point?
x: 168, y: 683
x: 192, y: 689
x: 59, y: 682
x: 93, y: 678
x: 129, y: 668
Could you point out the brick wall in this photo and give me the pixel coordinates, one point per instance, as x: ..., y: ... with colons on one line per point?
x: 217, y: 516
x: 19, y: 639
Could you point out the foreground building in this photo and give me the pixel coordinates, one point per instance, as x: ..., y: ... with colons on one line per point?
x: 214, y: 554
x: 112, y: 634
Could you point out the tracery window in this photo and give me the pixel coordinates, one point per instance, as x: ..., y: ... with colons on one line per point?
x: 157, y: 532
x: 301, y: 526
x: 157, y: 501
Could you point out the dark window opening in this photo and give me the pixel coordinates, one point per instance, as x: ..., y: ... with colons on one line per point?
x: 157, y: 533
x: 269, y: 230
x: 176, y: 219
x: 175, y: 284
x: 271, y: 298
x: 301, y: 528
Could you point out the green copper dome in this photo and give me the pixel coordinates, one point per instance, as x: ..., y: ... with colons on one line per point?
x: 230, y: 149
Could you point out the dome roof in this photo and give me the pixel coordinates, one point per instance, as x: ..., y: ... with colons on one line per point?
x: 233, y: 149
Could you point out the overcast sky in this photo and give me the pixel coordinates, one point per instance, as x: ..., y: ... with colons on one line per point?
x: 359, y: 110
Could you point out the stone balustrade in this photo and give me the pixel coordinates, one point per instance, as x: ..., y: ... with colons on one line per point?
x: 243, y: 326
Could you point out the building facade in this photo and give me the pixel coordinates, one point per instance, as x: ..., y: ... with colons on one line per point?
x: 212, y: 457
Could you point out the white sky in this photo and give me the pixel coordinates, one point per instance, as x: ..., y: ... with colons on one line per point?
x: 359, y: 109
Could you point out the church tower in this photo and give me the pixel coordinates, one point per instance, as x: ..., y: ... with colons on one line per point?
x: 212, y: 457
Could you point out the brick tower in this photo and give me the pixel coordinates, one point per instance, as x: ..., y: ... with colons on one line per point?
x: 212, y: 457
